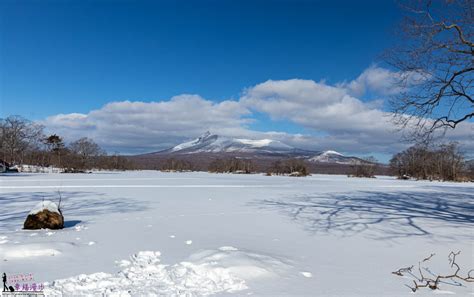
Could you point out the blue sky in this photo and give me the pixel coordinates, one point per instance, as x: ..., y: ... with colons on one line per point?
x: 139, y: 76
x: 74, y: 56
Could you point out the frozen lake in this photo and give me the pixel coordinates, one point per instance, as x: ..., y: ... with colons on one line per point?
x: 235, y: 234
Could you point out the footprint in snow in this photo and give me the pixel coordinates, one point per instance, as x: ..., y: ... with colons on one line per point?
x: 3, y: 239
x: 80, y: 228
x: 306, y: 274
x: 91, y: 243
x: 189, y: 242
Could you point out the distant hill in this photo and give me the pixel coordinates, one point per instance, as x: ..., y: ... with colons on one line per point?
x: 263, y: 152
x: 220, y: 145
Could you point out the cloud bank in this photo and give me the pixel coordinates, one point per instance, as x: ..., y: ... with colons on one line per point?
x: 332, y: 116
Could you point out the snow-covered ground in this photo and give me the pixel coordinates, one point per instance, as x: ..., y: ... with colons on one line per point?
x: 143, y: 233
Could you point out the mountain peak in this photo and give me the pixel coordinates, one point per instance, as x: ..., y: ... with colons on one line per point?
x: 205, y: 135
x: 212, y: 143
x: 330, y: 156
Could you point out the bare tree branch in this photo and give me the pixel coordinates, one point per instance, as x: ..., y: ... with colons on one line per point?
x: 421, y: 281
x: 435, y: 59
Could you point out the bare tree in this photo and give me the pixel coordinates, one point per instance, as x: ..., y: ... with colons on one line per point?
x: 17, y: 135
x: 87, y: 150
x: 365, y: 167
x: 435, y: 59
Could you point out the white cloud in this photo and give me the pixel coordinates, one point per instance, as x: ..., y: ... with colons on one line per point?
x: 335, y: 113
x: 146, y: 126
x: 317, y: 106
x: 382, y: 81
x: 349, y: 123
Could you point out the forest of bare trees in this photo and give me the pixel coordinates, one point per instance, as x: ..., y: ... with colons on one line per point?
x: 231, y: 165
x: 176, y: 165
x: 24, y: 142
x: 441, y: 162
x: 293, y: 167
x: 364, y: 168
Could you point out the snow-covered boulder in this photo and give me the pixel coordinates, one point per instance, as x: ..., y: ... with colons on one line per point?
x: 45, y: 215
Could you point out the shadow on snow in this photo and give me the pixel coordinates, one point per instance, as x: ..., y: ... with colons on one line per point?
x: 380, y: 215
x: 16, y: 206
x: 71, y: 223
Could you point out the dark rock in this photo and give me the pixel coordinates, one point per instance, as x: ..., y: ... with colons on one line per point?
x: 44, y: 219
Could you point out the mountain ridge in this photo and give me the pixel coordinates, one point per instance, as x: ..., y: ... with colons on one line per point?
x: 214, y: 144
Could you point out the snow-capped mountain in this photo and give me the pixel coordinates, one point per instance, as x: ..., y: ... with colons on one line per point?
x: 334, y: 157
x: 215, y: 144
x: 211, y: 143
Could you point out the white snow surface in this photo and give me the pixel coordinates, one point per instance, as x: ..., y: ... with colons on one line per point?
x: 205, y: 273
x: 45, y: 205
x: 251, y: 234
x: 27, y: 251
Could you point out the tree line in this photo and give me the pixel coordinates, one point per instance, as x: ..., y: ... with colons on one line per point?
x: 232, y: 165
x: 436, y: 162
x: 295, y: 167
x: 25, y: 142
x: 237, y: 165
x: 364, y: 168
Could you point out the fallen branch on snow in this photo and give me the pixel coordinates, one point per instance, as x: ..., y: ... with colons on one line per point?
x: 421, y: 281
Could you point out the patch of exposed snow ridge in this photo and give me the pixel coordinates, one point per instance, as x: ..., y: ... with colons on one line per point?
x: 264, y: 143
x: 207, y: 272
x: 191, y: 143
x: 332, y: 153
x: 48, y: 205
